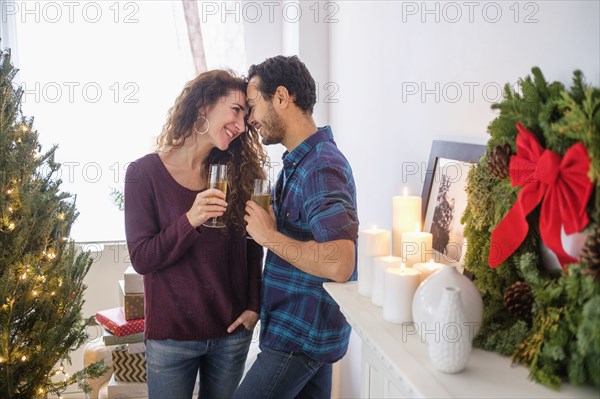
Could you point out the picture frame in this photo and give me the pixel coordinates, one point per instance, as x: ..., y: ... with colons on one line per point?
x: 444, y: 197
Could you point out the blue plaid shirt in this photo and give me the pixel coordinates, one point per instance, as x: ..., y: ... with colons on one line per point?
x: 314, y: 199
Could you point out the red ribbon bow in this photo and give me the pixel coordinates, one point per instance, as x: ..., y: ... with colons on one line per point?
x: 563, y: 187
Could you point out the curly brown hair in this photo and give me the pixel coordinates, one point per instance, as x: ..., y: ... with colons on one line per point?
x: 245, y: 157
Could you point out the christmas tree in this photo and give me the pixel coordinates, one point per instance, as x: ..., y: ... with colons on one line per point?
x: 41, y: 271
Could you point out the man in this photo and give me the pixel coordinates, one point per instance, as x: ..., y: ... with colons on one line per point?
x: 310, y: 233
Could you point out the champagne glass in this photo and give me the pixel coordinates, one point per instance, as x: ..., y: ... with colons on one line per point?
x: 261, y: 195
x: 217, y: 178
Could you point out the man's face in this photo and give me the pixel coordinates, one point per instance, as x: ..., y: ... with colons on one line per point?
x: 263, y: 115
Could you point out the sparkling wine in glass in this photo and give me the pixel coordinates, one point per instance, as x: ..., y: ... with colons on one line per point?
x: 217, y: 178
x: 261, y: 194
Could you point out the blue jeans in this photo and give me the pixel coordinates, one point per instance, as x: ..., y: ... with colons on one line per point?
x: 282, y: 375
x: 172, y: 366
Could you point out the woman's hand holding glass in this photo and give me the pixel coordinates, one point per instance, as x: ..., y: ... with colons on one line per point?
x: 217, y: 178
x: 207, y: 205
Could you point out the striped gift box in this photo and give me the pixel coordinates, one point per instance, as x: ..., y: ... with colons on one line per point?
x: 128, y: 367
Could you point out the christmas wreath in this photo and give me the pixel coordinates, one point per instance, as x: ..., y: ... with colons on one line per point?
x: 540, y: 174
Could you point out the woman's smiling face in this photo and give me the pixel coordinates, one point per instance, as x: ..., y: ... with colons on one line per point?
x: 226, y: 119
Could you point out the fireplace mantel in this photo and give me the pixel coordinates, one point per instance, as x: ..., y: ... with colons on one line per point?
x: 395, y: 363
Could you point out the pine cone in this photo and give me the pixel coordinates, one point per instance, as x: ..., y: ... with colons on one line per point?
x: 590, y: 254
x: 499, y: 160
x: 518, y: 300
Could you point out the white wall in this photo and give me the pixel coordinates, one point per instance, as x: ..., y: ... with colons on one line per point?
x: 408, y: 73
x: 380, y: 51
x: 376, y: 58
x: 291, y: 27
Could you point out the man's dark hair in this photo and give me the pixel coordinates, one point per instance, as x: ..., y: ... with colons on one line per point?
x: 289, y: 72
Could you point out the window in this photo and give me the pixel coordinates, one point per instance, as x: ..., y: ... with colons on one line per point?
x: 99, y: 78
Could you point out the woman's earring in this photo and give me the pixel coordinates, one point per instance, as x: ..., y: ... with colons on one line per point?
x: 205, y: 121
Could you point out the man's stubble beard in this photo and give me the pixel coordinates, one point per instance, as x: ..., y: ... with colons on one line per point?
x: 275, y: 127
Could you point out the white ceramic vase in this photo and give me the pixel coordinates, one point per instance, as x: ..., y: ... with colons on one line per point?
x: 450, y: 347
x: 427, y: 300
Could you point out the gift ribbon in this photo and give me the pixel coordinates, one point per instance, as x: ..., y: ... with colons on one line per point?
x: 562, y: 185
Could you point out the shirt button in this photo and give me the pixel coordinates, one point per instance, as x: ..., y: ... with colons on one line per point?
x: 287, y: 214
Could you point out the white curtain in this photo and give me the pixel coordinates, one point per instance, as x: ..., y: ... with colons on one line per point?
x: 194, y: 29
x: 8, y: 30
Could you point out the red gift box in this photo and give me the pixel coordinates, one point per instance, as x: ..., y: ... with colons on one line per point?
x: 114, y: 321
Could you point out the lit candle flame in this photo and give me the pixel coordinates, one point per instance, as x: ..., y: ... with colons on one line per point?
x: 405, y: 191
x: 418, y: 227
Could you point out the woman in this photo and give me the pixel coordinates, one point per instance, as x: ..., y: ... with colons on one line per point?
x: 202, y: 285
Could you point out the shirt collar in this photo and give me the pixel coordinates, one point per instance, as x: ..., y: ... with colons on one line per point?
x: 293, y: 158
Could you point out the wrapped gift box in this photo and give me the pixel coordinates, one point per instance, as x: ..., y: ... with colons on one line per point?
x: 132, y: 303
x: 128, y: 367
x: 126, y: 390
x: 131, y: 390
x: 111, y: 339
x: 134, y: 282
x: 114, y: 321
x: 139, y: 347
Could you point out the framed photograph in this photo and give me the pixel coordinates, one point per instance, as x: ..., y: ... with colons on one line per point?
x: 445, y: 197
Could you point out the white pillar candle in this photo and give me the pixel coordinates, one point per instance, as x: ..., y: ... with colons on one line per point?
x: 427, y: 268
x: 416, y: 247
x: 400, y: 286
x: 379, y: 265
x: 406, y: 212
x: 371, y: 243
